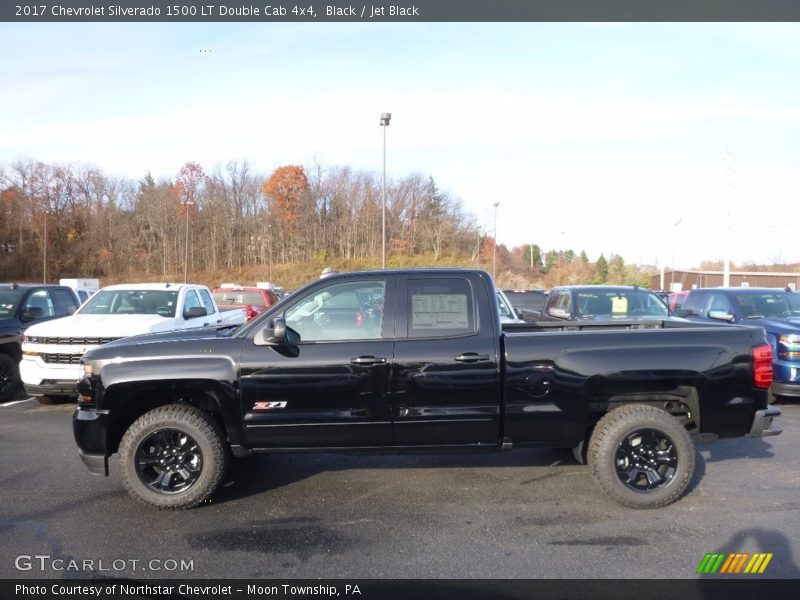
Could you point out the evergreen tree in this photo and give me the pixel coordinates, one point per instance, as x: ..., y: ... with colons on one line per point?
x: 601, y: 270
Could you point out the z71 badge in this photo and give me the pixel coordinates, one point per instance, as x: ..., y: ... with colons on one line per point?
x: 268, y: 405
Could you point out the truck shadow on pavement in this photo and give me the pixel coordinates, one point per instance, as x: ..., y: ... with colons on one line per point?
x: 736, y: 448
x: 261, y: 473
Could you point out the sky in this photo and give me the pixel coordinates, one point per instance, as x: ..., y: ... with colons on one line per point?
x: 667, y: 144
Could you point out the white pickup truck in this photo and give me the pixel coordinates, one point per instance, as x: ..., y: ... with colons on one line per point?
x: 51, y: 351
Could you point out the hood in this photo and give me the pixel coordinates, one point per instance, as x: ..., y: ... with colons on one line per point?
x: 10, y: 325
x: 772, y: 325
x: 102, y: 326
x: 166, y: 339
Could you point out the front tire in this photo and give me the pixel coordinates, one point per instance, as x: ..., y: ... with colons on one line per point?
x: 9, y: 377
x: 173, y: 457
x: 641, y: 456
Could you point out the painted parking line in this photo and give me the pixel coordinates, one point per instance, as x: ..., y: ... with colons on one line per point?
x: 12, y: 403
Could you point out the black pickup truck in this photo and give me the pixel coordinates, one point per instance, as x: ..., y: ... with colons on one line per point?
x: 23, y: 305
x: 417, y: 360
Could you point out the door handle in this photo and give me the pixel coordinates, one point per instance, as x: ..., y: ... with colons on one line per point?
x: 471, y: 357
x: 365, y: 361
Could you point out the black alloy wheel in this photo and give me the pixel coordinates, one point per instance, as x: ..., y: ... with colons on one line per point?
x: 646, y: 460
x: 168, y: 461
x: 641, y: 455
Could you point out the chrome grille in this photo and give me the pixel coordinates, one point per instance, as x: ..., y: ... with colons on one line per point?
x: 78, y: 341
x: 61, y: 359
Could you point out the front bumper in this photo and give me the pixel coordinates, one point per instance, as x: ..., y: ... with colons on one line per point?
x: 791, y: 390
x: 52, y: 388
x: 763, y: 425
x: 41, y: 379
x: 96, y: 463
x: 90, y: 428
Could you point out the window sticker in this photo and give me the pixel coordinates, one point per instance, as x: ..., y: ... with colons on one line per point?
x: 439, y: 311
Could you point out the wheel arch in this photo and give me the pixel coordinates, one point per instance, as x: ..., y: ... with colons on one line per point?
x: 126, y: 402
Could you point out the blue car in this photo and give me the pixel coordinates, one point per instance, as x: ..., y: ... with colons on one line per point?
x: 777, y: 311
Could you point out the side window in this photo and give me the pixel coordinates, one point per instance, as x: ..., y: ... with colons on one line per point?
x: 63, y: 302
x: 695, y: 304
x: 190, y: 300
x: 205, y: 298
x: 441, y: 307
x: 40, y: 304
x: 345, y: 311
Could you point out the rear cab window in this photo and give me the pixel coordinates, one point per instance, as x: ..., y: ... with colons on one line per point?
x: 440, y: 307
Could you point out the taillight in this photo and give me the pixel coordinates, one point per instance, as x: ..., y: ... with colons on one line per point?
x: 762, y: 366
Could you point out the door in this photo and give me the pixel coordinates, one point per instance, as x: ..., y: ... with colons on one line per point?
x: 330, y: 386
x: 446, y: 373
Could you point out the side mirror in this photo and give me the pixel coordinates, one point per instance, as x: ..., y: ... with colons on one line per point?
x: 558, y: 313
x: 276, y: 335
x: 31, y: 313
x: 194, y: 312
x: 71, y: 310
x: 720, y: 315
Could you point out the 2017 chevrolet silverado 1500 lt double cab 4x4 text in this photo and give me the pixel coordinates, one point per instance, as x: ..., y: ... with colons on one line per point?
x: 417, y: 360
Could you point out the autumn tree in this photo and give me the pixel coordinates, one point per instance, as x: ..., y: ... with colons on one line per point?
x: 601, y: 270
x: 286, y: 189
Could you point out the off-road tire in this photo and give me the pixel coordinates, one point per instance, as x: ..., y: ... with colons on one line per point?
x: 174, y: 420
x: 9, y: 378
x: 621, y: 439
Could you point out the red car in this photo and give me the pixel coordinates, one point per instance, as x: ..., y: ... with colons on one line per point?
x: 676, y: 299
x: 254, y: 300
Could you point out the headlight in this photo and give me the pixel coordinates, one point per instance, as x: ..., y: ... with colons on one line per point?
x: 88, y: 368
x: 790, y: 340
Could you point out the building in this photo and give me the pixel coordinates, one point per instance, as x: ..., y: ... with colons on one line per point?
x: 687, y: 280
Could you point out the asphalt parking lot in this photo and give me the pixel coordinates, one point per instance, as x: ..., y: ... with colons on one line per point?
x: 518, y: 514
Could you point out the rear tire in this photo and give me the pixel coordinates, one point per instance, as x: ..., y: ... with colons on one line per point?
x: 641, y: 456
x: 173, y: 457
x: 9, y: 377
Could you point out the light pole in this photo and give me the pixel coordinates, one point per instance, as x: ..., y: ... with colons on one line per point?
x: 269, y: 241
x: 494, y: 245
x: 385, y: 118
x: 188, y: 204
x: 674, y: 237
x: 44, y: 250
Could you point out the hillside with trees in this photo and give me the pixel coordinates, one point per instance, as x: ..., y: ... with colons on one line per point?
x: 246, y: 226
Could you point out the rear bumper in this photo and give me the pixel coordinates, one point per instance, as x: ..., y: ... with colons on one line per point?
x: 763, y: 425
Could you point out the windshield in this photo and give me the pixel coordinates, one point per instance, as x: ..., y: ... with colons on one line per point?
x: 238, y: 297
x: 505, y: 310
x: 131, y: 302
x: 530, y: 300
x: 620, y: 304
x: 769, y: 304
x: 9, y: 299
